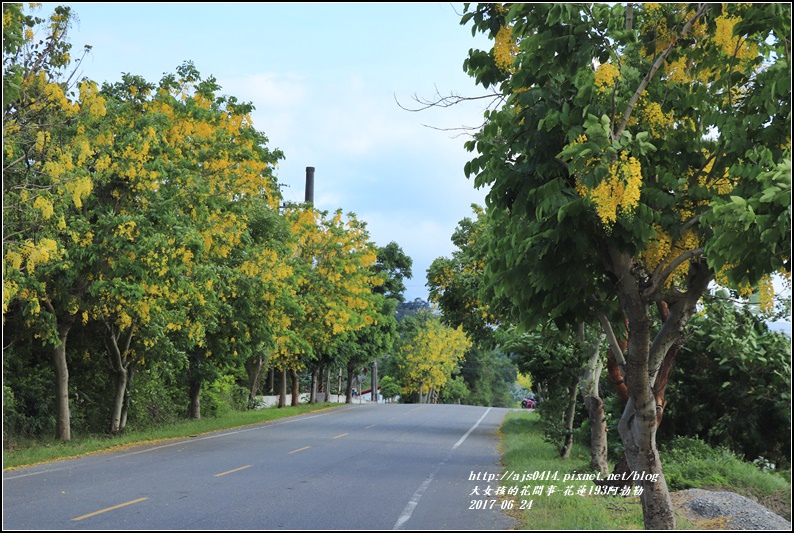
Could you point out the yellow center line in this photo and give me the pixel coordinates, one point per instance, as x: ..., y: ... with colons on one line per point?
x: 299, y: 449
x: 235, y: 470
x: 342, y: 435
x: 89, y: 515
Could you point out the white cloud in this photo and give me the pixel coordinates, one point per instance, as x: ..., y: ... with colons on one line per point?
x: 267, y: 90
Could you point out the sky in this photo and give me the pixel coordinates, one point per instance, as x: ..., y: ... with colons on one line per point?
x: 329, y: 82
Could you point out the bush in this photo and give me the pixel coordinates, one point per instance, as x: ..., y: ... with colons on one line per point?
x: 731, y: 385
x: 154, y: 399
x: 223, y: 395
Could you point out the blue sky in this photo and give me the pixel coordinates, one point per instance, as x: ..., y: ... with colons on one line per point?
x: 326, y: 80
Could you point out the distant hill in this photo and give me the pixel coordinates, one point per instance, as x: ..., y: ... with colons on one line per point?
x: 405, y: 309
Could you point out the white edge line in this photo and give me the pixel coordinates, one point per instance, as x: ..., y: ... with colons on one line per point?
x: 414, y: 501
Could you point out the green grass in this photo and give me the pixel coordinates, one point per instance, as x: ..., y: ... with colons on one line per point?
x: 34, y: 452
x: 687, y: 463
x: 524, y: 450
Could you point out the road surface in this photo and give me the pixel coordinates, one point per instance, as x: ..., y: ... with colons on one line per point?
x: 355, y: 467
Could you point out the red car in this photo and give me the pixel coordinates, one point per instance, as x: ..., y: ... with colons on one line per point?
x: 528, y: 403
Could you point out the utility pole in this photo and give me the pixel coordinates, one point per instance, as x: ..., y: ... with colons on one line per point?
x: 375, y: 381
x: 310, y: 185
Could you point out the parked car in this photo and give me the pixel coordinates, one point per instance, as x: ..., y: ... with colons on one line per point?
x: 528, y: 403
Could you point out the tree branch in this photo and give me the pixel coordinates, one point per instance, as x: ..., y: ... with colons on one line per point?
x: 444, y: 102
x: 656, y: 66
x: 613, y: 341
x: 691, y: 222
x: 657, y: 278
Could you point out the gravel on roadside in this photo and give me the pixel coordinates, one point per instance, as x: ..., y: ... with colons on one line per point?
x: 726, y: 510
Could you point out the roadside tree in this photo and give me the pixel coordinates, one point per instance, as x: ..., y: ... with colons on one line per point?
x: 641, y: 152
x: 427, y: 354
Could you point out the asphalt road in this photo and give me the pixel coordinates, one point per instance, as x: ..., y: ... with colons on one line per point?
x: 357, y: 467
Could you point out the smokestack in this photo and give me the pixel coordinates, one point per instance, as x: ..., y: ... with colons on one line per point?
x: 310, y: 185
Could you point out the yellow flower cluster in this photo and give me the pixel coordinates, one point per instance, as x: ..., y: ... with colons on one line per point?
x: 766, y: 294
x: 654, y: 119
x: 53, y: 94
x: 505, y: 49
x: 730, y: 45
x: 662, y: 249
x: 605, y: 76
x: 33, y: 255
x: 42, y: 137
x: 444, y: 280
x: 10, y: 289
x: 126, y: 230
x: 43, y: 205
x: 93, y: 102
x: 79, y: 188
x: 619, y: 192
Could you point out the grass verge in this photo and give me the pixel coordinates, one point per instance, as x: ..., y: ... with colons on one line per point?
x: 35, y: 452
x: 524, y: 450
x: 688, y: 463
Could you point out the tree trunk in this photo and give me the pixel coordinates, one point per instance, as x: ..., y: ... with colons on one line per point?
x: 349, y: 388
x: 118, y: 400
x: 119, y: 362
x: 313, y: 387
x: 271, y: 378
x: 660, y: 385
x: 321, y: 384
x: 327, y: 386
x: 637, y: 426
x: 616, y: 376
x: 63, y: 425
x: 598, y: 434
x: 126, y: 409
x: 295, y: 388
x: 644, y: 360
x: 195, y: 401
x: 565, y: 452
x: 595, y: 409
x: 622, y: 474
x: 282, y: 389
x: 421, y: 386
x: 638, y: 430
x: 254, y: 368
x: 194, y: 408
